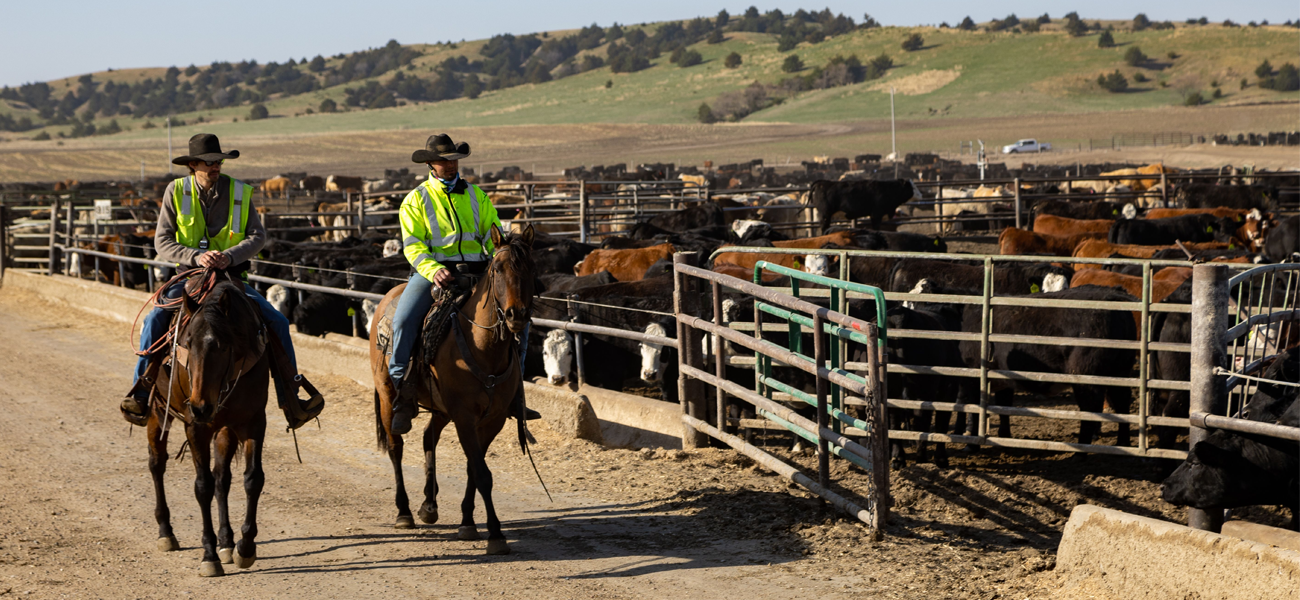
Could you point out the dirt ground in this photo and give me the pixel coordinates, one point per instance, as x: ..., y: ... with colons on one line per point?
x: 76, y: 506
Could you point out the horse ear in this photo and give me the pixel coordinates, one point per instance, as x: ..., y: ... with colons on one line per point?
x: 224, y: 304
x: 528, y: 235
x: 189, y: 303
x: 497, y: 236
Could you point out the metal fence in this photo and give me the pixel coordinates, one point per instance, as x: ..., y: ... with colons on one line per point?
x: 860, y: 441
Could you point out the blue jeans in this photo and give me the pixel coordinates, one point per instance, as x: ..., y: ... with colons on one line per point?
x: 411, y: 309
x: 158, y: 320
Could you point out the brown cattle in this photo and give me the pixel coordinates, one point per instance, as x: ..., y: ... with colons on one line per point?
x: 1222, y: 212
x: 1064, y: 226
x: 1103, y: 249
x: 275, y: 187
x: 748, y: 275
x: 343, y: 183
x: 1014, y: 241
x: 746, y: 260
x: 624, y: 265
x: 1163, y: 282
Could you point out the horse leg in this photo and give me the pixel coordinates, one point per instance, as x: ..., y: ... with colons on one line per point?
x: 226, y: 446
x: 246, y: 551
x: 157, y: 467
x: 429, y: 510
x: 468, y: 530
x: 476, y: 457
x: 204, y: 488
x: 404, y: 519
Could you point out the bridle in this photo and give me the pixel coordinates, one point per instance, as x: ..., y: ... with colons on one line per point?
x: 499, y: 327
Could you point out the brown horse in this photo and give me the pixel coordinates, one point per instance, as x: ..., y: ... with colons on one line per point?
x: 474, y: 380
x: 218, y: 392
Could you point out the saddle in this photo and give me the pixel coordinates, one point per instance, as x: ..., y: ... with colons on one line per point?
x: 434, y: 328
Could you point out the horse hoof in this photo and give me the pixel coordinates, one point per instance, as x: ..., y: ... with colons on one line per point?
x: 428, y: 517
x: 404, y: 522
x: 225, y: 555
x: 497, y: 547
x: 168, y: 544
x: 211, y: 569
x: 467, y: 533
x: 244, y: 562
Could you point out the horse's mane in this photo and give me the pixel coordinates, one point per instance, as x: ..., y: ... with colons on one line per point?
x: 519, y: 256
x: 236, y: 327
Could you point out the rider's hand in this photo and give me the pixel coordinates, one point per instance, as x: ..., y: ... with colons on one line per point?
x: 214, y: 259
x: 443, y: 278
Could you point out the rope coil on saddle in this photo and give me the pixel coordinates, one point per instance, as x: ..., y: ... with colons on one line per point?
x: 206, y: 278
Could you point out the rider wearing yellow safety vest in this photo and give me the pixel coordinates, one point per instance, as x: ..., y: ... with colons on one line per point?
x: 445, y: 234
x: 207, y: 219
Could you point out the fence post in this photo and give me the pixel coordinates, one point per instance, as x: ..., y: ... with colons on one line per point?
x: 986, y: 325
x: 1209, y: 325
x: 878, y: 413
x: 1164, y: 187
x: 4, y: 236
x: 53, y: 266
x: 1018, y: 210
x: 582, y: 211
x: 823, y: 447
x: 719, y: 357
x: 690, y: 391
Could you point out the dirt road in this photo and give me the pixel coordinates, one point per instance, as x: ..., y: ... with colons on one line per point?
x: 76, y: 502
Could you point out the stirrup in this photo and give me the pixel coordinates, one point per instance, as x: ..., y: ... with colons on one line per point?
x: 300, y: 412
x: 139, y: 418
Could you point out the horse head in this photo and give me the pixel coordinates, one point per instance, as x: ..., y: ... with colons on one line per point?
x: 512, y: 275
x: 221, y: 342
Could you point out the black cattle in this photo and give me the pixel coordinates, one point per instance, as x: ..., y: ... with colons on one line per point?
x: 1171, y: 328
x: 1283, y: 241
x: 662, y: 268
x: 1078, y: 209
x: 969, y: 279
x: 1074, y: 360
x: 557, y: 283
x: 1228, y: 470
x: 856, y: 199
x: 1164, y: 232
x: 899, y: 242
x: 560, y: 257
x: 871, y: 270
x: 621, y: 242
x: 755, y: 231
x: 703, y: 214
x: 319, y: 314
x: 1206, y: 195
x: 926, y: 353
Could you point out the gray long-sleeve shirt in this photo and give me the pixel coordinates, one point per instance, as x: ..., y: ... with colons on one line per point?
x: 216, y: 211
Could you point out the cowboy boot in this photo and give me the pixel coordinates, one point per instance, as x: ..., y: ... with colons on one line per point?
x: 517, y: 407
x: 297, y: 412
x: 135, y: 405
x: 404, y: 409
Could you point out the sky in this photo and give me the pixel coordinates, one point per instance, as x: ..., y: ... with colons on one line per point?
x: 52, y: 39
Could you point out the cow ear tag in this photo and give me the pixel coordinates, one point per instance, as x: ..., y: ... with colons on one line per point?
x: 936, y: 241
x: 1209, y: 229
x: 352, y: 312
x: 1034, y: 289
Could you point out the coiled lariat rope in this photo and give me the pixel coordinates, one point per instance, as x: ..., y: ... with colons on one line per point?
x: 207, y: 278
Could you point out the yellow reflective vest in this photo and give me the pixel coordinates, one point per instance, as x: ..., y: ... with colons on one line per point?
x: 438, y: 226
x: 192, y: 230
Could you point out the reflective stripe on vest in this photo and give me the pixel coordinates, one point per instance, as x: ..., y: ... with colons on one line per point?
x: 431, y: 213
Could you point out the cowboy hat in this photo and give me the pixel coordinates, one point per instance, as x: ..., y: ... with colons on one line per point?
x: 205, y: 147
x: 440, y: 147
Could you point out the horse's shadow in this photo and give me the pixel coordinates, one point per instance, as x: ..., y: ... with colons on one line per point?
x: 690, y: 530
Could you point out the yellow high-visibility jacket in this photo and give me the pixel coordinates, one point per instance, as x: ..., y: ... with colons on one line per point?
x: 439, y: 226
x: 191, y: 230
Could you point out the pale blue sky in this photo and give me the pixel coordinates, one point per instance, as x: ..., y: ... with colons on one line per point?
x: 51, y: 39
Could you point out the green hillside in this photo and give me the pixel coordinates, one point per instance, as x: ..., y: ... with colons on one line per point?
x: 955, y: 74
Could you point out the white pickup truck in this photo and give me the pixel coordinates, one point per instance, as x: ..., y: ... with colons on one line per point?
x: 1029, y: 145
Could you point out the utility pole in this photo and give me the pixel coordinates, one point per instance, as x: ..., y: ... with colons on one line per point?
x: 142, y: 178
x: 169, y: 145
x: 893, y: 132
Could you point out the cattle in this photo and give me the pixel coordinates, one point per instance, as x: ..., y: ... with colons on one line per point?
x: 1012, y: 242
x: 311, y: 184
x: 320, y: 313
x: 856, y: 199
x: 1084, y: 209
x: 1160, y: 232
x: 120, y: 273
x: 785, y: 210
x: 694, y: 181
x: 979, y: 202
x: 746, y: 231
x: 1104, y: 249
x: 925, y: 353
x: 1171, y: 328
x: 624, y: 265
x: 898, y: 241
x: 1236, y: 214
x: 1228, y: 470
x: 1204, y: 195
x: 557, y: 356
x: 563, y: 282
x: 343, y: 183
x: 276, y: 187
x: 561, y: 257
x: 872, y: 270
x: 969, y: 279
x: 768, y: 278
x: 278, y: 296
x: 702, y: 214
x: 1163, y: 281
x: 1065, y: 226
x: 747, y: 260
x: 1283, y: 241
x: 1073, y: 360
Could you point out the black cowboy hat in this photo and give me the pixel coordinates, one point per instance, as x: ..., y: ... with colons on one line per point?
x: 205, y: 147
x: 440, y: 147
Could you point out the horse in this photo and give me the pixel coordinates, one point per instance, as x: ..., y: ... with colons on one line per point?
x: 475, y: 376
x: 219, y: 392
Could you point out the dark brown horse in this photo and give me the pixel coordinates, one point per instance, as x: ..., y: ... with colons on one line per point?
x: 218, y: 393
x: 472, y: 388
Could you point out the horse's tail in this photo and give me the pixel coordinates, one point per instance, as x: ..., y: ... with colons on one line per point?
x: 381, y: 436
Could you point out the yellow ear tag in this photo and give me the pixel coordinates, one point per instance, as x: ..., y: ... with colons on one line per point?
x: 1232, y: 246
x: 1209, y: 229
x: 936, y: 241
x: 352, y: 312
x: 797, y: 265
x: 1034, y: 289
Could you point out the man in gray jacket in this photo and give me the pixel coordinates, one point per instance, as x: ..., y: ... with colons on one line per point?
x: 207, y: 220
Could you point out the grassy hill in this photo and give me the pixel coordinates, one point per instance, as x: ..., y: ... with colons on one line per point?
x: 963, y: 74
